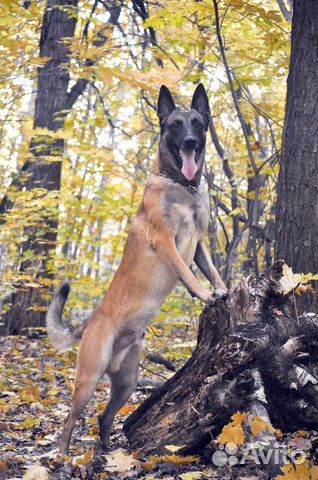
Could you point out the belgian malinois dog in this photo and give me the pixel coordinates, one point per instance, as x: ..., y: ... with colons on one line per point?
x: 166, y: 236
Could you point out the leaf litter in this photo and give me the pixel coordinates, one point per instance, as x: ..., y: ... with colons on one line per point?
x: 36, y: 383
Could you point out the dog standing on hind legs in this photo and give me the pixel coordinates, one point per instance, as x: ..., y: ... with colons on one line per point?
x: 166, y: 236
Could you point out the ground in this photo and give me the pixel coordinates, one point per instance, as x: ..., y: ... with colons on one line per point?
x: 36, y: 385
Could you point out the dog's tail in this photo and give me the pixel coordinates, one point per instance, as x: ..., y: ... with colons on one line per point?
x: 61, y: 337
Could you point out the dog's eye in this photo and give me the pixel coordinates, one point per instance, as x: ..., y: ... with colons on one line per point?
x: 177, y: 124
x: 198, y: 125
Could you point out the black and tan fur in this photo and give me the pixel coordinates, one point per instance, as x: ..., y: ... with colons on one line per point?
x: 166, y: 236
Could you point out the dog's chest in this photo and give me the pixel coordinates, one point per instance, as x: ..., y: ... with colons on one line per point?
x: 187, y: 214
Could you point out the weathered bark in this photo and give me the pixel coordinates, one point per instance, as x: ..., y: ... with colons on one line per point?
x: 247, y: 359
x: 297, y: 191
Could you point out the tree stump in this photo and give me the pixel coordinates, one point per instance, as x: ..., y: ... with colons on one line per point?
x: 253, y: 354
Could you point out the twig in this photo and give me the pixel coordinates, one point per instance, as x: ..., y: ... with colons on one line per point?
x: 295, y: 305
x: 288, y: 14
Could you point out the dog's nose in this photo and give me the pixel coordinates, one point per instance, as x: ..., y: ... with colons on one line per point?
x: 190, y: 142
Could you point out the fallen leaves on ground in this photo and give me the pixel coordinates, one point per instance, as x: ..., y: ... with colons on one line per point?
x: 36, y: 472
x: 259, y: 425
x: 233, y: 432
x: 302, y: 471
x: 120, y: 461
x: 176, y: 459
x: 128, y: 409
x: 36, y: 383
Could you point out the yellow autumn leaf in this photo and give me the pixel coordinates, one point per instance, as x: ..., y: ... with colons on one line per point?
x: 235, y: 212
x: 86, y: 458
x: 232, y: 433
x: 29, y: 423
x: 239, y: 418
x: 173, y: 448
x: 4, y: 406
x: 236, y: 3
x: 302, y: 433
x: 128, y: 409
x: 54, y: 392
x: 179, y: 460
x: 289, y: 280
x: 304, y: 289
x: 152, y: 462
x: 176, y: 459
x: 301, y: 471
x: 308, y: 277
x: 259, y: 425
x: 30, y: 395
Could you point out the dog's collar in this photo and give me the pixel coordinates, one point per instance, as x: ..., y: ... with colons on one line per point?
x: 191, y: 188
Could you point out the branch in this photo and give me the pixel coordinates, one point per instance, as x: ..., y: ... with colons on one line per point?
x: 141, y: 10
x: 228, y: 172
x: 253, y: 212
x: 156, y: 358
x: 237, y: 231
x: 287, y: 14
x: 79, y: 87
x: 85, y: 31
x: 232, y: 88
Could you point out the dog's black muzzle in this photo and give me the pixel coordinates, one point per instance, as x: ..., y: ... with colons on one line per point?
x: 190, y: 143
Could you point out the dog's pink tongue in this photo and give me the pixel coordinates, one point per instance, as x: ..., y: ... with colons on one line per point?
x: 189, y: 167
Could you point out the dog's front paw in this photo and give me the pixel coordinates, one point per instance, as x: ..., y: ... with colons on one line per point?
x: 219, y: 294
x: 102, y: 447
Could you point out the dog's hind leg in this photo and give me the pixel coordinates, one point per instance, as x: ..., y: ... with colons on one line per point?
x: 82, y: 394
x: 123, y: 383
x: 93, y: 358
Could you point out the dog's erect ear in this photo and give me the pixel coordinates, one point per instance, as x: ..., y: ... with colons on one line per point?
x: 200, y: 103
x: 165, y: 103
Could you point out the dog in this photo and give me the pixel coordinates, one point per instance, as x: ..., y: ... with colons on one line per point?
x: 166, y: 236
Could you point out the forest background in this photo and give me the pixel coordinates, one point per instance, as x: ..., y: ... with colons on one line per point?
x: 79, y: 131
x: 79, y: 134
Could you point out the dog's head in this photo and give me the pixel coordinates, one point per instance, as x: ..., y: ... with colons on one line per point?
x: 183, y: 137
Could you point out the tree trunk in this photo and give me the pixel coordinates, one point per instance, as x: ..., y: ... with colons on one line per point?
x: 28, y: 307
x: 297, y: 191
x: 248, y: 358
x: 59, y: 22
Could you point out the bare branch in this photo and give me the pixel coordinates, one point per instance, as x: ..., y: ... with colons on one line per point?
x: 287, y: 14
x: 81, y: 84
x: 141, y: 10
x: 253, y: 211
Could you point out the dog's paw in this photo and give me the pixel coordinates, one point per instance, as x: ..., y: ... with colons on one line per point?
x: 102, y: 447
x: 219, y: 294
